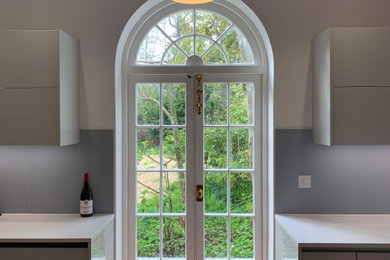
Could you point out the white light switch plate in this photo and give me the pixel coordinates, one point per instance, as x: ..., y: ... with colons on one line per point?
x: 304, y: 181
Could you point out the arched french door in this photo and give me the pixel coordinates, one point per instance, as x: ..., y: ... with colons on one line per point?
x: 195, y: 111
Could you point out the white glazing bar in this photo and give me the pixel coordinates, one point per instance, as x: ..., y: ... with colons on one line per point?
x: 161, y: 173
x: 173, y: 126
x: 227, y: 126
x: 172, y: 42
x: 229, y: 215
x: 158, y: 214
x: 232, y: 170
x: 194, y: 41
x: 215, y: 42
x: 147, y: 126
x: 228, y: 173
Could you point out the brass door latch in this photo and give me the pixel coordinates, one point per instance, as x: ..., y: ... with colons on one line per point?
x: 199, y: 105
x: 199, y: 193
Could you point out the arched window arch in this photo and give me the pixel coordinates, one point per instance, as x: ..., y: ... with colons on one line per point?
x: 207, y: 35
x: 162, y: 45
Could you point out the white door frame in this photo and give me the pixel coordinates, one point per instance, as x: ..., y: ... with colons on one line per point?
x: 122, y: 142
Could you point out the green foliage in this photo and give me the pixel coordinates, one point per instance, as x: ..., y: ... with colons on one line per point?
x: 215, y: 192
x: 242, y: 237
x: 215, y: 237
x: 148, y: 236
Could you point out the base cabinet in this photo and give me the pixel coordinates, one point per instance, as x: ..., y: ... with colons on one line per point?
x: 373, y: 256
x: 328, y: 256
x: 354, y: 255
x: 44, y: 253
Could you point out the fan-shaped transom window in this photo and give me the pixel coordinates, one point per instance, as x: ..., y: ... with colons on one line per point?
x: 194, y: 37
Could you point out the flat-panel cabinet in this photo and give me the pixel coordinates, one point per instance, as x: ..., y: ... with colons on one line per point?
x: 28, y: 116
x: 373, y: 256
x: 351, y: 86
x: 328, y: 256
x: 44, y: 253
x: 39, y: 88
x: 361, y: 115
x: 360, y: 56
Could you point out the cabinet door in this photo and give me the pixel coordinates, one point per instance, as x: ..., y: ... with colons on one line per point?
x: 373, y: 256
x: 329, y: 256
x: 361, y: 115
x: 29, y: 58
x: 361, y: 56
x: 28, y: 116
x: 43, y: 253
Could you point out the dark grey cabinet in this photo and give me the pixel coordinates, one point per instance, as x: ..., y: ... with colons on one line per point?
x: 329, y: 256
x: 373, y: 256
x: 318, y: 255
x: 44, y: 253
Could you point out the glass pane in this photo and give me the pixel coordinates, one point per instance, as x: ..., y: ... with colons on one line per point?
x: 152, y: 47
x: 148, y: 192
x: 202, y: 45
x: 214, y: 56
x: 178, y: 24
x: 290, y: 247
x: 148, y: 148
x: 241, y: 148
x: 187, y: 45
x: 174, y: 100
x: 148, y: 103
x: 236, y: 47
x: 215, y: 103
x: 174, y: 56
x: 148, y: 237
x: 174, y: 148
x: 241, y: 237
x: 215, y: 192
x: 174, y: 237
x: 215, y: 148
x: 241, y: 103
x: 174, y: 192
x: 215, y: 230
x: 241, y: 193
x: 210, y: 24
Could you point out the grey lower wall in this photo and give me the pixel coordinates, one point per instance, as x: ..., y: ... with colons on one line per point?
x: 49, y: 179
x: 345, y: 179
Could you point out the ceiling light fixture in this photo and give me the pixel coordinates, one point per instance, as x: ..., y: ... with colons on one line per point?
x: 192, y: 2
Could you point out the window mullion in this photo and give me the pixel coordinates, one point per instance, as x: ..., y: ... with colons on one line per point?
x: 228, y: 173
x: 161, y: 173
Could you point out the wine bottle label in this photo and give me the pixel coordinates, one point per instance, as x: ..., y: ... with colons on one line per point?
x: 86, y: 207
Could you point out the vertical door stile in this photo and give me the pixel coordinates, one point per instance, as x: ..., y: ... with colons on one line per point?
x: 191, y: 176
x: 198, y: 154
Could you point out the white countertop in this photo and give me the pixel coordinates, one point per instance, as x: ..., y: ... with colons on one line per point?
x: 337, y: 229
x: 51, y: 226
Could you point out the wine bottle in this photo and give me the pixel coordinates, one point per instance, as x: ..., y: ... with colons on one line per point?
x: 86, y: 199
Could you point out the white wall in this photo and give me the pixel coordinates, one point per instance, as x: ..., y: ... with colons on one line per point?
x: 291, y: 25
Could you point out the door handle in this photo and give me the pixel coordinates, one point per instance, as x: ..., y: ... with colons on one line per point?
x: 199, y: 193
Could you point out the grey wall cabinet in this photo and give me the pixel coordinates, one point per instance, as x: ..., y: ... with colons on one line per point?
x: 329, y: 256
x: 39, y: 88
x: 351, y: 86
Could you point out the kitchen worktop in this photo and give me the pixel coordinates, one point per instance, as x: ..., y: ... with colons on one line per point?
x: 337, y: 229
x: 51, y: 226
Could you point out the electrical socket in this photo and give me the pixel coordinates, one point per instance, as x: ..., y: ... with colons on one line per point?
x: 304, y: 181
